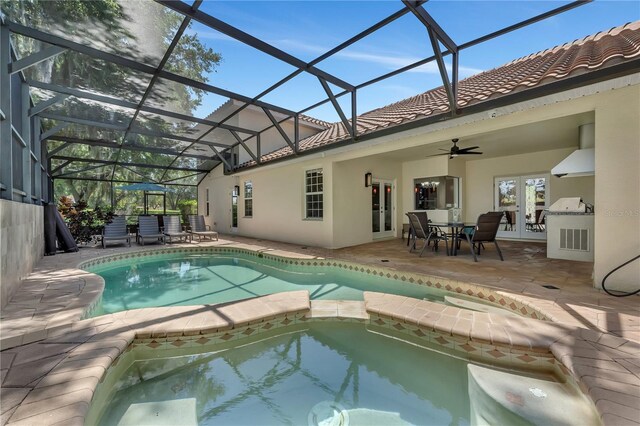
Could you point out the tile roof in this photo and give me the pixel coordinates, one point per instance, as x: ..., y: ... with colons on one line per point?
x: 315, y: 121
x: 578, y: 57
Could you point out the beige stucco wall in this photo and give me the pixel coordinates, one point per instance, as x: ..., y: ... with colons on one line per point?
x: 480, y: 174
x: 278, y: 208
x: 616, y: 103
x: 22, y: 239
x: 617, y: 183
x: 352, y: 200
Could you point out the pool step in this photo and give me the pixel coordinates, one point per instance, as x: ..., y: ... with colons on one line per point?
x: 475, y: 306
x: 502, y: 398
x: 161, y: 413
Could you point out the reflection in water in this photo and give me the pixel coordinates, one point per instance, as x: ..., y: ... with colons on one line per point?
x: 207, y: 279
x: 292, y: 378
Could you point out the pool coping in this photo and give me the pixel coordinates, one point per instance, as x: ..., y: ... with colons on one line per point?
x: 61, y: 388
x: 45, y: 307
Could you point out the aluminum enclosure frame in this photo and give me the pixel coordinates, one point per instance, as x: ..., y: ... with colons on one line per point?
x: 27, y: 176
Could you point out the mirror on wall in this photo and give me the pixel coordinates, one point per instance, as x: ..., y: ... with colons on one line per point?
x: 436, y: 193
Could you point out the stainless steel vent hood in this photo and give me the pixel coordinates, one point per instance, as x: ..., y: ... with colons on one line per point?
x: 582, y: 161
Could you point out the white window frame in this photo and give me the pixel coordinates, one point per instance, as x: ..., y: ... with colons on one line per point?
x: 311, y: 190
x: 249, y: 198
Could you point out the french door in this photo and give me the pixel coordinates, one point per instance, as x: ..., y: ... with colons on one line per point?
x: 523, y: 199
x: 382, y: 208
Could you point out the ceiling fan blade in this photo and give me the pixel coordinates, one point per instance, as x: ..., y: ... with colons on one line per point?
x: 469, y: 152
x: 437, y: 155
x: 469, y: 148
x: 442, y: 149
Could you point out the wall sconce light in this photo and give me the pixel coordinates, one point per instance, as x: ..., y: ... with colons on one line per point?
x: 236, y: 190
x: 368, y: 179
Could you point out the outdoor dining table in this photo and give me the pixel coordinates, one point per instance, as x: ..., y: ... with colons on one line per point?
x: 456, y: 228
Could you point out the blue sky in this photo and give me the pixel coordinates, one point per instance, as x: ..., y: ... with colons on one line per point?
x: 306, y: 29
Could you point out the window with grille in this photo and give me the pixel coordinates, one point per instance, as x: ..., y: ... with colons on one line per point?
x: 313, y: 194
x: 248, y: 199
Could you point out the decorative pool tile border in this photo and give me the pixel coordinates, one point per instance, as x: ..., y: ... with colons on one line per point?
x: 472, y: 350
x: 465, y: 348
x: 520, y: 306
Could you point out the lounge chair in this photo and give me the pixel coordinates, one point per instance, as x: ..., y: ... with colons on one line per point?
x: 173, y: 229
x: 199, y: 229
x: 116, y: 230
x: 432, y: 233
x: 484, y: 232
x: 148, y: 228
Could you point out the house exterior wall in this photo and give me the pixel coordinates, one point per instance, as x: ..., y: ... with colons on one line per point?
x: 616, y: 103
x: 352, y: 211
x: 278, y: 204
x: 22, y: 235
x: 617, y: 183
x: 271, y: 139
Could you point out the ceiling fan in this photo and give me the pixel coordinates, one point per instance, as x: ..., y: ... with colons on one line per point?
x: 456, y: 150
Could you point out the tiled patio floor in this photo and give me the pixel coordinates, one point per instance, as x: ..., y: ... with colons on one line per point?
x: 52, y: 299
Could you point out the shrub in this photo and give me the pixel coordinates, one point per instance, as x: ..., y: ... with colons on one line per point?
x: 83, y: 222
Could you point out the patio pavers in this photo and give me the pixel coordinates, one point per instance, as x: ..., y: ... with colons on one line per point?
x: 51, y: 301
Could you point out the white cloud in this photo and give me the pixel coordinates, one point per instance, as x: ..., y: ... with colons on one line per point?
x: 391, y: 62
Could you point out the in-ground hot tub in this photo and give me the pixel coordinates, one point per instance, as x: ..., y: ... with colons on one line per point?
x: 330, y: 373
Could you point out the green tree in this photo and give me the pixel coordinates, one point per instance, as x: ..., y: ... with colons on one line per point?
x: 135, y: 29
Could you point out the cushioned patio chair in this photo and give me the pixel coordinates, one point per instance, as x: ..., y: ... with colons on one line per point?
x: 432, y: 233
x: 116, y: 230
x: 149, y: 228
x: 199, y: 229
x: 173, y: 229
x: 484, y: 232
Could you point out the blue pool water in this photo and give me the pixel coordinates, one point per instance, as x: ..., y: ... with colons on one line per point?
x: 208, y: 279
x: 330, y: 374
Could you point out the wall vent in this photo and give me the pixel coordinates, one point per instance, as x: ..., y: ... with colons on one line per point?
x: 574, y: 239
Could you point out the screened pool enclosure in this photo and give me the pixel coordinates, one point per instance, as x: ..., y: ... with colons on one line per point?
x: 100, y: 94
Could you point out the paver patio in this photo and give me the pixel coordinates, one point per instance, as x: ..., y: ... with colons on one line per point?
x: 40, y: 324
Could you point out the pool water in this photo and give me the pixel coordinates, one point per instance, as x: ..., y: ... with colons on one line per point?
x: 209, y: 279
x: 330, y: 373
x: 317, y: 375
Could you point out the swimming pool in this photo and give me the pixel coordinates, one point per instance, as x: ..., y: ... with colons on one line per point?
x: 193, y: 279
x: 330, y: 374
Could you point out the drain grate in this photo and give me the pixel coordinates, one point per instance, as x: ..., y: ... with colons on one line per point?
x: 384, y: 260
x: 551, y: 287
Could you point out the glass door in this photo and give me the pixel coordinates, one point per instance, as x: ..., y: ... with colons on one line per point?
x: 523, y: 199
x: 535, y: 202
x: 234, y: 208
x: 507, y: 200
x: 382, y: 208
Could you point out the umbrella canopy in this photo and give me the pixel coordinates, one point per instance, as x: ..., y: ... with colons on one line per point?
x: 145, y: 186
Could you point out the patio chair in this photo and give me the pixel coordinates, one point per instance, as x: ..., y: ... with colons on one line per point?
x: 424, y: 221
x: 484, y: 232
x: 116, y: 231
x: 432, y: 233
x: 148, y: 228
x: 199, y: 229
x: 173, y: 229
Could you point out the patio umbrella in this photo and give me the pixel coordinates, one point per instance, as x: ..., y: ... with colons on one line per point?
x: 147, y: 187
